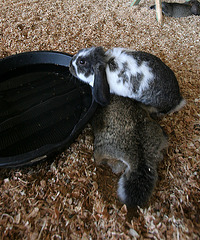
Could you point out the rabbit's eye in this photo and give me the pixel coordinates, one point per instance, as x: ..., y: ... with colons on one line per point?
x: 82, y: 62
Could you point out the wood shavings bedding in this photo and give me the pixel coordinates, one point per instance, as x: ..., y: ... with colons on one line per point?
x: 70, y: 197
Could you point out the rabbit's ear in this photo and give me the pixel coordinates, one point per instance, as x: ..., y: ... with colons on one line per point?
x: 101, y: 90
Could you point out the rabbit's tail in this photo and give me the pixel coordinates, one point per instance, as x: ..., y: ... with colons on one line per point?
x: 180, y: 105
x: 135, y: 188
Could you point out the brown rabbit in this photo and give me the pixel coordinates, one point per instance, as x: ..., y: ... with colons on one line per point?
x: 129, y: 142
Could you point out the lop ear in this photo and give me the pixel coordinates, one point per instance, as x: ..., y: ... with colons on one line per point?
x: 101, y: 90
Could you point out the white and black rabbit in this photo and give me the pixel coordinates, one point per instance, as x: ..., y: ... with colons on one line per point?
x: 129, y: 141
x: 180, y: 9
x: 134, y: 74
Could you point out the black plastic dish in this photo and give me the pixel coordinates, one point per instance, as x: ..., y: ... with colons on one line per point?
x: 43, y: 107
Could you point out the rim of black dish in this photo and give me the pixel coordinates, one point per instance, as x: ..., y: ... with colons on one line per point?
x: 38, y: 98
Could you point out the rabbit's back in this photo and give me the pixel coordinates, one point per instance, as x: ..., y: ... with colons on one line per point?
x: 123, y: 130
x: 143, y: 77
x: 115, y: 127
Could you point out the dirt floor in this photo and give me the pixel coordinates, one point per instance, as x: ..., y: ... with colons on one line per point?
x: 70, y: 197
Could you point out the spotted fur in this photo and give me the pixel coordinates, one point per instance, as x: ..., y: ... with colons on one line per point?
x: 134, y: 74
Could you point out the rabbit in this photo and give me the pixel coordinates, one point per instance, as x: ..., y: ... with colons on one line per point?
x: 129, y: 141
x: 180, y: 9
x: 134, y: 74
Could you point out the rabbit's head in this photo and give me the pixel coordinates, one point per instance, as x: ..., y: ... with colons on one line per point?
x: 89, y: 66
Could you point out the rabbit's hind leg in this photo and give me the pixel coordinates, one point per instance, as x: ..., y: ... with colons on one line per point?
x: 116, y: 165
